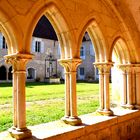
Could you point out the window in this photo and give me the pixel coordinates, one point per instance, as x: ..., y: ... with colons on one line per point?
x: 37, y: 46
x: 82, y: 51
x: 82, y: 71
x: 4, y: 45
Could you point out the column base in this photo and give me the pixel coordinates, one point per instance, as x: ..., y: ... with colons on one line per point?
x: 137, y: 107
x: 19, y: 134
x: 128, y: 106
x: 105, y: 112
x: 72, y: 120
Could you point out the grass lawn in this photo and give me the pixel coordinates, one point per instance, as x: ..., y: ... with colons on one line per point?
x: 45, y: 102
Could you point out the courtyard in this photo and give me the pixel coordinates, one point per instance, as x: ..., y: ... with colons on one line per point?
x: 45, y: 102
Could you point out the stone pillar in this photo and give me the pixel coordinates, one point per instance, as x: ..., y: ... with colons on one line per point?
x: 128, y: 85
x: 104, y: 74
x: 70, y: 66
x: 124, y: 89
x: 123, y: 85
x: 67, y: 94
x: 101, y: 89
x: 19, y: 61
x: 14, y: 99
x: 137, y: 81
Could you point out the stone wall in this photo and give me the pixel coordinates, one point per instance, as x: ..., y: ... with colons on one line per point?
x: 124, y: 125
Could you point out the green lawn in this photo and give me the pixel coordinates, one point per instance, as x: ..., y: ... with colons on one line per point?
x: 45, y: 102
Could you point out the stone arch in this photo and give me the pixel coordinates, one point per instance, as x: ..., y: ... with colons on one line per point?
x: 52, y: 12
x: 121, y: 50
x: 126, y: 32
x: 3, y: 73
x: 10, y: 32
x: 97, y: 38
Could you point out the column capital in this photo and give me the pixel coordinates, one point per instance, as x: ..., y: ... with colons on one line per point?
x: 126, y: 67
x: 70, y: 65
x: 104, y: 66
x: 18, y: 60
x: 136, y: 68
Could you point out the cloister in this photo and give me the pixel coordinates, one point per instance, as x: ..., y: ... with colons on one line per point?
x: 114, y: 29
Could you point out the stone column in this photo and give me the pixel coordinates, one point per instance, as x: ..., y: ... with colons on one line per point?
x: 129, y: 87
x: 123, y: 94
x: 101, y: 89
x: 128, y: 82
x: 70, y: 66
x: 19, y: 61
x: 124, y: 89
x: 137, y: 73
x: 104, y: 74
x: 106, y: 88
x: 14, y: 99
x: 67, y: 94
x: 67, y: 89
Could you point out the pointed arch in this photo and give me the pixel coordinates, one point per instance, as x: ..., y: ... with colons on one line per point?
x: 52, y: 12
x: 125, y: 31
x: 121, y: 50
x: 97, y: 38
x: 10, y: 31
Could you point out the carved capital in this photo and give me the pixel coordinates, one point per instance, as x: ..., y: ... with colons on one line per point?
x: 18, y: 61
x: 104, y: 67
x: 70, y: 65
x: 137, y: 68
x: 127, y: 68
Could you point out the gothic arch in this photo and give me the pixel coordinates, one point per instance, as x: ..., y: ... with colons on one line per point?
x: 121, y: 50
x: 52, y: 12
x: 127, y: 33
x: 10, y: 32
x: 97, y: 38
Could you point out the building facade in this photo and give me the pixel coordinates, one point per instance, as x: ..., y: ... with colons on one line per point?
x: 45, y: 62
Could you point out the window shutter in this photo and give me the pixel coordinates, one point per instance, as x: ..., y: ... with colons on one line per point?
x: 42, y: 46
x: 1, y: 40
x: 33, y: 45
x: 91, y: 50
x: 84, y: 52
x: 59, y: 51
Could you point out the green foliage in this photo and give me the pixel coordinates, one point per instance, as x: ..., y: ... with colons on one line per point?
x: 45, y: 102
